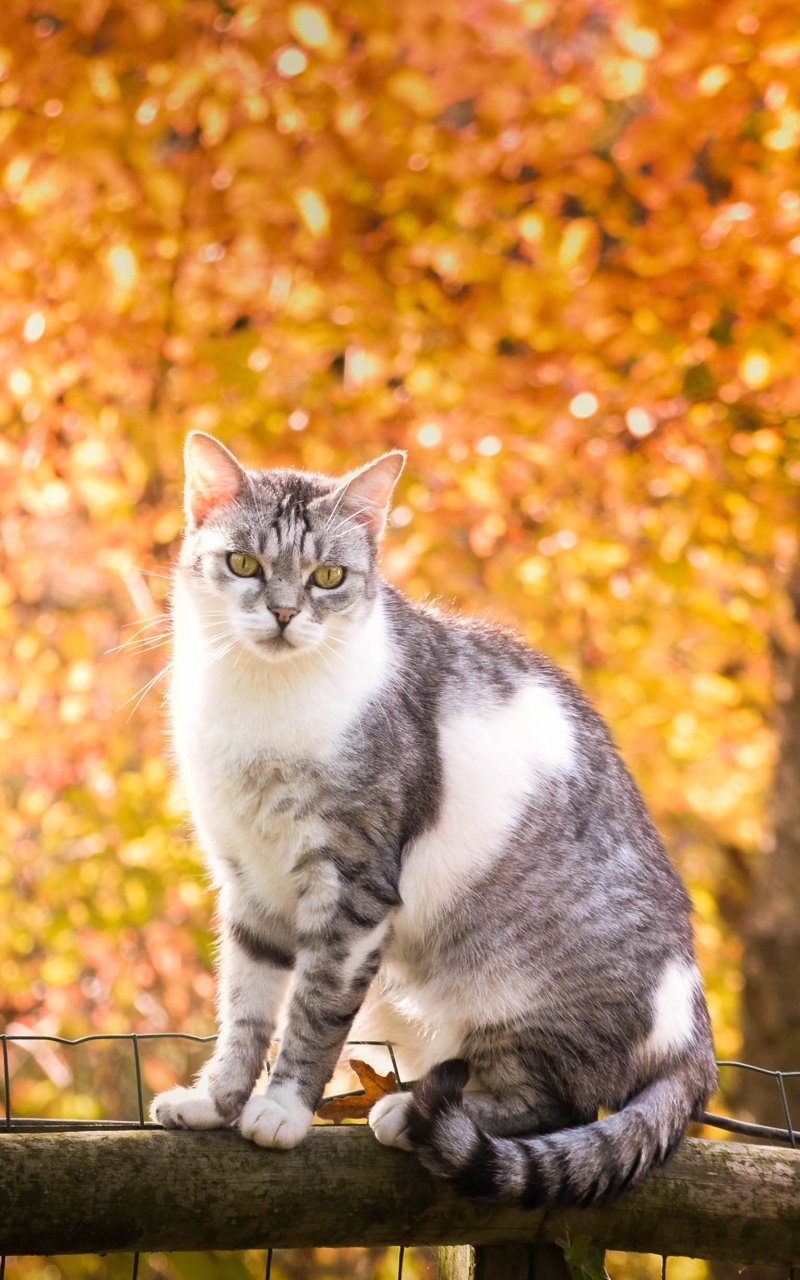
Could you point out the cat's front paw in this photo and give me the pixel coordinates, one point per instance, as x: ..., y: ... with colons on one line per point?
x: 182, y: 1108
x: 388, y: 1119
x: 276, y: 1118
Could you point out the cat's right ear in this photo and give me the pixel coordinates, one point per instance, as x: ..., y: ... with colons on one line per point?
x: 213, y: 476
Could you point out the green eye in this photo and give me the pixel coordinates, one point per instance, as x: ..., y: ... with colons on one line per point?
x: 243, y: 566
x: 328, y: 575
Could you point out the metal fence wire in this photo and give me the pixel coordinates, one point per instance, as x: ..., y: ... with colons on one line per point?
x: 27, y: 1124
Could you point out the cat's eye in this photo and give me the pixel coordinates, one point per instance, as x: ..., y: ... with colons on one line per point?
x: 243, y: 566
x: 328, y: 575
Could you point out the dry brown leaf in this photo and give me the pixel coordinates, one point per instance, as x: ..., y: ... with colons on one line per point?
x: 357, y: 1106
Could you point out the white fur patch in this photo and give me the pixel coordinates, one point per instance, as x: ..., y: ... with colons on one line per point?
x: 673, y: 1011
x: 181, y: 1108
x: 419, y: 1041
x: 387, y: 1120
x: 276, y: 1118
x: 490, y: 764
x: 364, y: 946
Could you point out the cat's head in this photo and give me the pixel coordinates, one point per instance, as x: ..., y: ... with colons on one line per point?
x: 282, y: 561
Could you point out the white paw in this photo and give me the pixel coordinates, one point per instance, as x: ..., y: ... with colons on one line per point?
x: 387, y: 1120
x: 276, y: 1119
x: 181, y: 1108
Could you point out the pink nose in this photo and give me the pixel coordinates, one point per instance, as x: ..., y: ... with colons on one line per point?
x: 284, y: 616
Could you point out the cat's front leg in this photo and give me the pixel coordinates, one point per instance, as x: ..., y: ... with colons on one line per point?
x: 341, y: 945
x: 255, y: 966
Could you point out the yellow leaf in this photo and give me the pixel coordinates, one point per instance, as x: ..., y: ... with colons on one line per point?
x: 622, y: 77
x: 310, y: 25
x: 121, y: 262
x: 103, y: 81
x: 713, y: 79
x: 756, y: 369
x: 579, y: 238
x: 314, y: 210
x: 783, y: 53
x: 415, y: 90
x: 214, y: 117
x: 642, y: 42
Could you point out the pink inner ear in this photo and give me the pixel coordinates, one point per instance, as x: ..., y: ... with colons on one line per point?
x: 213, y: 478
x: 368, y: 493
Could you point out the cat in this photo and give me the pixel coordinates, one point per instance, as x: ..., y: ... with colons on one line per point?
x: 423, y: 824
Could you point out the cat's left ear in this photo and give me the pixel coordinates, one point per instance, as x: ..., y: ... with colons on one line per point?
x: 365, y: 495
x: 213, y: 476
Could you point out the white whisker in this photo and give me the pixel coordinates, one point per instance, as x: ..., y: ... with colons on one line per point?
x: 144, y: 691
x: 146, y: 626
x: 148, y: 646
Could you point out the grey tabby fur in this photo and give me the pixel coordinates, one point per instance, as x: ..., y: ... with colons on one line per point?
x: 543, y: 959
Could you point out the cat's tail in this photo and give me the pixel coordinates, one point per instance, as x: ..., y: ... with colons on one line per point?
x: 586, y: 1165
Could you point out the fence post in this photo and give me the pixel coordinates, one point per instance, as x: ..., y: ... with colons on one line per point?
x: 456, y: 1262
x: 502, y: 1262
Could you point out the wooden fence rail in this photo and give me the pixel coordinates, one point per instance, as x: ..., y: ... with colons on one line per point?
x: 149, y: 1190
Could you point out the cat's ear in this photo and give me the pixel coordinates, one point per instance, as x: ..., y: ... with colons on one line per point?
x: 365, y: 495
x: 213, y: 476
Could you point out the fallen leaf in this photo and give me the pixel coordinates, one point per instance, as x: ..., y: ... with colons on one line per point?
x: 357, y: 1105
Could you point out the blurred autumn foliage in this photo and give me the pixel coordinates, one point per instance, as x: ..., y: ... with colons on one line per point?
x: 553, y: 250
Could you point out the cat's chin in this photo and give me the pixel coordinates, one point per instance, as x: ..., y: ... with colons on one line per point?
x: 279, y: 648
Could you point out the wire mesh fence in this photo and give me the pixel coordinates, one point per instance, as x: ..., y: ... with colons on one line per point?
x: 136, y: 1044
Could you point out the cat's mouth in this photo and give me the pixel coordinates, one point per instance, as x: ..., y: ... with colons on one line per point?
x: 280, y: 641
x: 281, y: 645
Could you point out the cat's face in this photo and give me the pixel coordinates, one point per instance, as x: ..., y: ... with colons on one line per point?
x: 282, y: 562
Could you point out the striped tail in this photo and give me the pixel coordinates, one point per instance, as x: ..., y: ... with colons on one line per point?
x: 586, y: 1165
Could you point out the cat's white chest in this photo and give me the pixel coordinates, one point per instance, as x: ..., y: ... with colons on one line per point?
x: 253, y: 741
x: 242, y: 792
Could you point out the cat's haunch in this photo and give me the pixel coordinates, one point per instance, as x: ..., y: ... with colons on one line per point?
x: 423, y: 825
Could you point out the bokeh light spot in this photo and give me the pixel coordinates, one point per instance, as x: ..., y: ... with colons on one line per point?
x: 34, y: 327
x: 639, y: 422
x: 19, y: 383
x: 430, y: 435
x: 583, y: 405
x: 310, y: 25
x: 292, y: 62
x: 313, y: 210
x: 756, y: 369
x: 122, y: 265
x: 489, y: 446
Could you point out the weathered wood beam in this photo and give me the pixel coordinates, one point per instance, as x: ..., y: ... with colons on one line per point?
x: 153, y: 1190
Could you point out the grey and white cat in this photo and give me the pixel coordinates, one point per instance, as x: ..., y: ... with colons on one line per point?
x: 424, y: 826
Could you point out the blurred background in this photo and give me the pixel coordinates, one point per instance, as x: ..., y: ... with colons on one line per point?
x: 553, y: 251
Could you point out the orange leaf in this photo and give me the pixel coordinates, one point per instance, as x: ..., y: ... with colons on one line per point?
x: 357, y: 1106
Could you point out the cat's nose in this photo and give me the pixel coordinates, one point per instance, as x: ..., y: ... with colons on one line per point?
x: 284, y: 616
